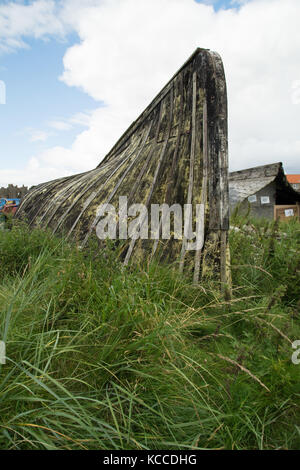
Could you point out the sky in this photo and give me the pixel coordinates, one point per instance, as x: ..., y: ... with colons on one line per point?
x: 74, y: 74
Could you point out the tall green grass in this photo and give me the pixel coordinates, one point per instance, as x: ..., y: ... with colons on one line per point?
x: 103, y: 357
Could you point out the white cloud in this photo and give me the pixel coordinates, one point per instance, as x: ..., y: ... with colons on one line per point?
x: 34, y: 173
x: 37, y: 19
x: 239, y: 2
x: 60, y: 125
x: 82, y: 119
x: 38, y: 136
x: 129, y: 49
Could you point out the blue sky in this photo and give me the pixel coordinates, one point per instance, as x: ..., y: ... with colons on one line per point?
x: 76, y: 78
x: 35, y: 97
x: 219, y: 4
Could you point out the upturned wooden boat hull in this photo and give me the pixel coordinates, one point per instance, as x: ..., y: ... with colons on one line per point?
x: 174, y: 153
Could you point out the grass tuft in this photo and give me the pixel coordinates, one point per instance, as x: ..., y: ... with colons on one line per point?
x: 103, y: 357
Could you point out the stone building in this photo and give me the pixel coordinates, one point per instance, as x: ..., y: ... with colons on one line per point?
x: 12, y: 191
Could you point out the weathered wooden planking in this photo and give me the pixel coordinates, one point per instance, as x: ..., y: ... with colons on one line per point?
x: 174, y: 153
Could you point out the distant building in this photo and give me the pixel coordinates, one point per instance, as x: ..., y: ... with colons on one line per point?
x: 12, y: 191
x: 294, y: 181
x: 265, y: 191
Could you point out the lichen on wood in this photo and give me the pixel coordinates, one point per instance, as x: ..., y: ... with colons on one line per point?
x: 174, y: 153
